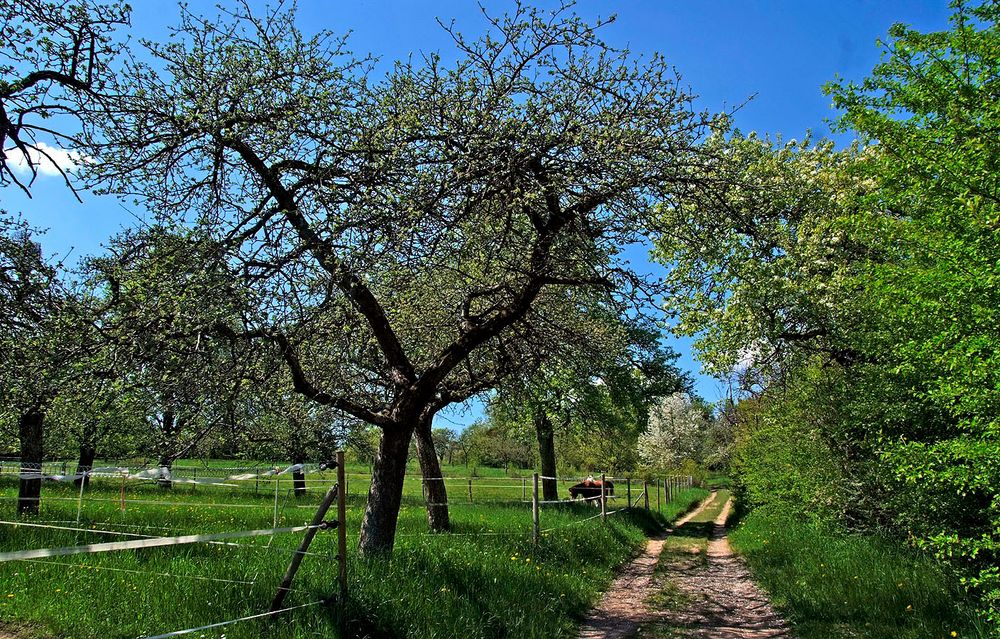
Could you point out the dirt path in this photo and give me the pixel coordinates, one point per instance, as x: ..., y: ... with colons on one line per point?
x: 623, y: 607
x: 707, y: 593
x: 717, y: 597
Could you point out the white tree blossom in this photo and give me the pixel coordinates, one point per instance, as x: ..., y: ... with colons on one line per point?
x: 675, y: 429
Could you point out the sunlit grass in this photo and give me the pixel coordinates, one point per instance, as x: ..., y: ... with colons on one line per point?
x: 834, y: 585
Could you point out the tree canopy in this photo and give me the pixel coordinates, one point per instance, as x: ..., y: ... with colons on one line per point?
x: 856, y: 291
x: 425, y: 227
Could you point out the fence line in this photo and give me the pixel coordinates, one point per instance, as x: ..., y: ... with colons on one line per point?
x: 178, y: 633
x: 73, y: 529
x: 141, y: 541
x: 671, y: 485
x: 97, y: 568
x: 150, y: 542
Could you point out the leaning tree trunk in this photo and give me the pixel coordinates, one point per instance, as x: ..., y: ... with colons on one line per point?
x: 88, y: 453
x: 30, y: 430
x: 430, y: 468
x: 547, y: 454
x: 378, y: 527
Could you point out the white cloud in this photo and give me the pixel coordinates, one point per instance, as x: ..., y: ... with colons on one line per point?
x: 47, y: 159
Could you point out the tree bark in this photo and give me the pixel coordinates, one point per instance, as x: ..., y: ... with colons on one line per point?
x: 88, y: 452
x: 299, y: 478
x: 165, y: 462
x: 378, y: 527
x: 547, y: 454
x: 30, y: 430
x: 169, y: 431
x: 430, y: 468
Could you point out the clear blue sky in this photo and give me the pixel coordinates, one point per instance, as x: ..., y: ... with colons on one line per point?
x: 779, y: 52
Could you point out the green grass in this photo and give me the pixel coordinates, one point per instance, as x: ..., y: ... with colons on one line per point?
x: 486, y: 579
x: 834, y: 586
x: 718, y: 481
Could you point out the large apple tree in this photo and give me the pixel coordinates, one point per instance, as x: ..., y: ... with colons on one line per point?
x: 399, y: 231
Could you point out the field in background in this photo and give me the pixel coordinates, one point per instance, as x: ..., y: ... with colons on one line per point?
x: 494, y: 485
x: 486, y: 579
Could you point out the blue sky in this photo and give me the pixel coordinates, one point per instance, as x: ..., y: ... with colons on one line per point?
x: 778, y: 53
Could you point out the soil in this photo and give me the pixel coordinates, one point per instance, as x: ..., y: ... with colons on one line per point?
x: 709, y: 595
x: 623, y: 607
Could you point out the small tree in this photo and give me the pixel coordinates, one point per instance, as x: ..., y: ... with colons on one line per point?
x: 677, y: 427
x: 43, y: 336
x: 164, y: 290
x: 444, y: 443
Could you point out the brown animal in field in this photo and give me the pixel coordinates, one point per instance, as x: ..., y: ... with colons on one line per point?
x: 590, y: 489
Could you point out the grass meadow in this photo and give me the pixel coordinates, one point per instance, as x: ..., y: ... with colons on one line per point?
x: 834, y: 586
x: 485, y: 579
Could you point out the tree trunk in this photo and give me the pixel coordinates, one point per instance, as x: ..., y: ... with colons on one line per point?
x: 547, y: 454
x: 430, y: 468
x: 88, y: 453
x: 166, y: 481
x: 30, y: 430
x: 299, y: 478
x: 378, y: 527
x: 166, y: 455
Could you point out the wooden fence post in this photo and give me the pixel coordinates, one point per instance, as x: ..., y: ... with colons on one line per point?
x: 658, y: 508
x: 470, y: 491
x: 277, y: 483
x: 534, y: 508
x: 628, y: 494
x: 122, y: 495
x: 79, y: 500
x: 293, y: 567
x: 645, y: 493
x: 524, y: 489
x: 342, y: 533
x: 604, y: 499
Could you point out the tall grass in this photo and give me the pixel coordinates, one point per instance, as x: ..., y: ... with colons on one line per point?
x: 485, y: 579
x: 834, y: 585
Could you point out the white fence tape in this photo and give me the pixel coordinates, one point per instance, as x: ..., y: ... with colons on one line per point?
x: 178, y: 633
x: 160, y: 473
x: 154, y: 542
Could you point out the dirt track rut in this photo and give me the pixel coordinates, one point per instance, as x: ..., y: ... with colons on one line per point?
x: 623, y: 607
x: 718, y: 599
